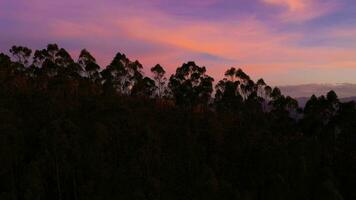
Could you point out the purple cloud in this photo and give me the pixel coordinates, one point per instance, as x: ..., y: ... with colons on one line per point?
x: 275, y: 39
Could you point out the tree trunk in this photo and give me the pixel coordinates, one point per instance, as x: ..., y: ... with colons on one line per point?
x: 75, y: 192
x: 13, y: 182
x: 57, y: 176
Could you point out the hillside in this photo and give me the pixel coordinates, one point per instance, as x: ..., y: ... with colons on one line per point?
x: 70, y: 129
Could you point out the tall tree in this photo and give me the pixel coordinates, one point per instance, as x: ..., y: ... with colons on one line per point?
x: 231, y: 73
x: 227, y: 96
x: 144, y: 88
x: 159, y: 77
x: 190, y: 85
x: 21, y: 55
x: 89, y: 64
x: 5, y: 61
x: 122, y: 73
x: 46, y: 60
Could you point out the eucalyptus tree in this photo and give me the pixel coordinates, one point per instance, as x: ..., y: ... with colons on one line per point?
x: 237, y: 92
x: 231, y: 73
x: 144, y: 88
x: 54, y: 60
x: 190, y: 85
x: 260, y: 87
x: 244, y: 84
x: 122, y: 74
x: 227, y: 96
x: 283, y: 107
x: 21, y: 55
x: 160, y: 79
x: 89, y: 64
x: 5, y: 61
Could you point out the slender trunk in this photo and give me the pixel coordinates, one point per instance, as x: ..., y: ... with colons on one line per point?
x: 13, y: 182
x: 160, y: 88
x: 75, y: 185
x: 57, y: 176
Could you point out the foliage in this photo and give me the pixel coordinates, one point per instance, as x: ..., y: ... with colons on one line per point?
x: 71, y: 130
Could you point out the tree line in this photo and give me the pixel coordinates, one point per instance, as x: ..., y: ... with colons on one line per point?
x: 70, y: 129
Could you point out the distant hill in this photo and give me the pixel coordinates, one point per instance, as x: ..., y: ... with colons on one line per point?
x: 343, y: 90
x: 303, y: 100
x: 347, y: 99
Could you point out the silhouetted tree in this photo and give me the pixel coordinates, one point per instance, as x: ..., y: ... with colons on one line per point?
x: 159, y: 76
x: 88, y: 63
x: 21, y: 54
x: 144, y: 88
x: 5, y: 62
x: 68, y: 132
x: 122, y: 73
x: 227, y: 96
x: 190, y: 85
x: 231, y: 73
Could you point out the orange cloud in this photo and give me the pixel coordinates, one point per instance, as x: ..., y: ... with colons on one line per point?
x: 67, y: 29
x: 249, y: 44
x: 292, y: 5
x: 234, y: 41
x: 303, y: 10
x: 244, y: 41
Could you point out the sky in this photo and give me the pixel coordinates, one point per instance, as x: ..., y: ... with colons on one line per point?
x: 287, y: 42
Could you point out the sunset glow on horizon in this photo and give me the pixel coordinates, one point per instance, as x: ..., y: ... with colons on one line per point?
x: 283, y: 41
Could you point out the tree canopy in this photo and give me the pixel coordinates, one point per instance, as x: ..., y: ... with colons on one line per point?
x: 70, y: 129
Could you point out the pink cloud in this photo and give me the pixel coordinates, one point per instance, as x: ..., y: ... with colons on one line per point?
x: 69, y: 29
x: 248, y: 43
x: 242, y: 41
x: 303, y: 10
x: 292, y: 5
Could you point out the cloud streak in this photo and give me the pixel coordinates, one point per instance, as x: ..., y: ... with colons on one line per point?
x: 269, y: 38
x: 303, y: 10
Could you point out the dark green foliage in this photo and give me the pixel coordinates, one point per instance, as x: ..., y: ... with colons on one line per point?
x: 71, y: 131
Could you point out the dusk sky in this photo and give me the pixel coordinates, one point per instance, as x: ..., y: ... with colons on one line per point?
x: 283, y: 41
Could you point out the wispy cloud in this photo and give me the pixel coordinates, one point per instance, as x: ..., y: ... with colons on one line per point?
x: 292, y: 5
x: 273, y: 38
x: 303, y: 10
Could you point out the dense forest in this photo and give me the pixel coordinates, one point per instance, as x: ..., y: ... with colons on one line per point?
x: 72, y: 130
